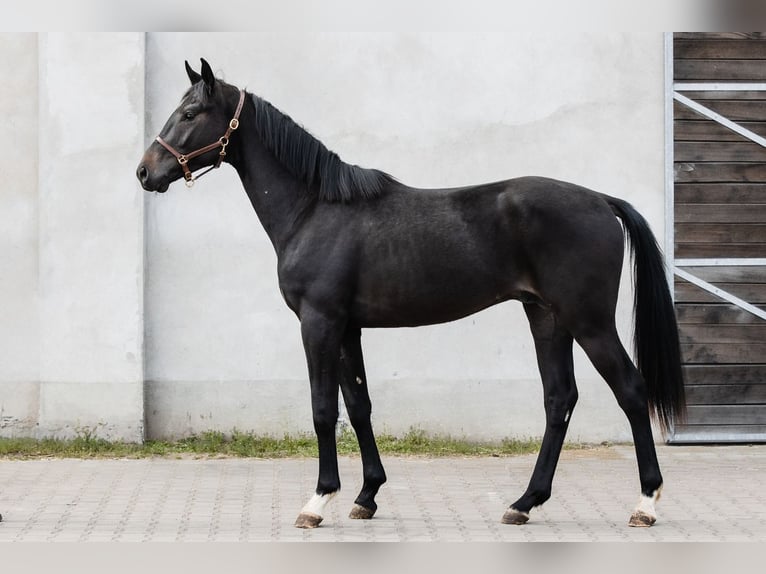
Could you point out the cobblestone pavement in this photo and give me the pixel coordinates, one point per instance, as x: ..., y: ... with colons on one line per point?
x: 710, y: 494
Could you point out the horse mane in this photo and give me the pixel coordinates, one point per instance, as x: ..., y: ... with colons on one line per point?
x: 309, y: 160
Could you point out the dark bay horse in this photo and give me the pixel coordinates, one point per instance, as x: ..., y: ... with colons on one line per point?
x: 358, y: 249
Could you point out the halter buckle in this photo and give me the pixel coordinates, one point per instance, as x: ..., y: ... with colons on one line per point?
x: 233, y: 124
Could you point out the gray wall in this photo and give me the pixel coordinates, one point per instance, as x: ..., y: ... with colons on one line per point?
x: 220, y: 349
x: 71, y: 330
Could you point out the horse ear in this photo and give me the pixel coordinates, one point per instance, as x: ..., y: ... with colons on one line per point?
x: 194, y: 77
x: 207, y: 75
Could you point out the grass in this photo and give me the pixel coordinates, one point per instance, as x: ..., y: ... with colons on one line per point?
x: 239, y: 444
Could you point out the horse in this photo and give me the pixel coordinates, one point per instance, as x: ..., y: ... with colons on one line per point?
x: 358, y: 249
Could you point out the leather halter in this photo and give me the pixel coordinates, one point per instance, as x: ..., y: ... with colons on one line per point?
x: 222, y: 142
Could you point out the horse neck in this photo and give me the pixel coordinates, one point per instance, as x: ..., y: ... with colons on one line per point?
x: 280, y: 200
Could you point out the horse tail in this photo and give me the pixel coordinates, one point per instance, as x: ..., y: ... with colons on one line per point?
x: 656, y: 344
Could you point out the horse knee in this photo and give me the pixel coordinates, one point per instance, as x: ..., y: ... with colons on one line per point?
x: 359, y: 415
x: 325, y: 420
x: 559, y: 409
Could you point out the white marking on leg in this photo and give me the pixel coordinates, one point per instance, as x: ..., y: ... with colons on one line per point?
x: 646, y: 503
x: 359, y: 381
x: 317, y: 503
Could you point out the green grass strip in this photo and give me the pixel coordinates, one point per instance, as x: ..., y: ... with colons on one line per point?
x: 239, y: 444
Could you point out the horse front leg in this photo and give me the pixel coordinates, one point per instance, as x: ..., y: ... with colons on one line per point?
x: 322, y: 338
x: 357, y: 399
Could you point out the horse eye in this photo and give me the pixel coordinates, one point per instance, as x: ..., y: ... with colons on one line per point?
x: 189, y: 115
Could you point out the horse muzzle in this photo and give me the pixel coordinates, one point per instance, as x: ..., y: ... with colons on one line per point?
x: 160, y: 185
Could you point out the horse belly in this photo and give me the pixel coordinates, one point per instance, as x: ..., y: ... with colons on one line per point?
x: 429, y: 294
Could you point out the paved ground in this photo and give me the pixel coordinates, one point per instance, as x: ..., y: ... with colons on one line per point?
x: 710, y: 494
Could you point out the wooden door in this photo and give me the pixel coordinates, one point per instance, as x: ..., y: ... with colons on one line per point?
x: 719, y: 232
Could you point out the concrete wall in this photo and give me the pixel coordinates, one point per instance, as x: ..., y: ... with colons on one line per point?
x: 19, y: 327
x: 125, y: 308
x: 72, y: 287
x: 223, y: 351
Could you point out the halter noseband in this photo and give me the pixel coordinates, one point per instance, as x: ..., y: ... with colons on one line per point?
x: 223, y: 141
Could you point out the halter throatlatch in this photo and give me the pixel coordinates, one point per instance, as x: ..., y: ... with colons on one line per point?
x: 223, y: 141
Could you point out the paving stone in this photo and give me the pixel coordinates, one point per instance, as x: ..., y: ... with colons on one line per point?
x: 710, y: 494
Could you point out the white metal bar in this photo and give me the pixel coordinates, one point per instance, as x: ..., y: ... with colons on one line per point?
x: 716, y: 117
x: 720, y: 293
x: 721, y: 262
x: 669, y: 168
x: 718, y: 87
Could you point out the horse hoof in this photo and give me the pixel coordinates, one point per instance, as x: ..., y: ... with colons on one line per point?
x: 513, y: 516
x: 641, y: 520
x: 360, y: 512
x: 308, y: 520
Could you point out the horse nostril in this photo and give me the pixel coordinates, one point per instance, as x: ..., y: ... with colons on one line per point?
x: 142, y: 173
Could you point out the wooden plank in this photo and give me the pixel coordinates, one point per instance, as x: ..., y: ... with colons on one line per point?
x: 695, y: 70
x: 753, y: 333
x: 706, y: 36
x: 719, y: 151
x: 724, y: 374
x: 691, y: 172
x: 720, y: 193
x: 727, y: 414
x: 720, y: 213
x: 708, y: 130
x: 708, y: 95
x: 729, y: 274
x: 716, y: 49
x: 755, y: 294
x: 721, y: 233
x: 710, y: 250
x: 725, y: 394
x: 735, y: 110
x: 719, y: 314
x: 723, y: 353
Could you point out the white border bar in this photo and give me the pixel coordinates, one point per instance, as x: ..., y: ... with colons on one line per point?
x: 669, y: 167
x: 721, y: 262
x: 718, y: 87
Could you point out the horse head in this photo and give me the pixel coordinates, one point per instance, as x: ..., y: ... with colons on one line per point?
x: 192, y: 136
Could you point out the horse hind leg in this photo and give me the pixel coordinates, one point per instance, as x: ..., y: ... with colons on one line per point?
x: 613, y: 363
x: 553, y: 345
x: 356, y: 396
